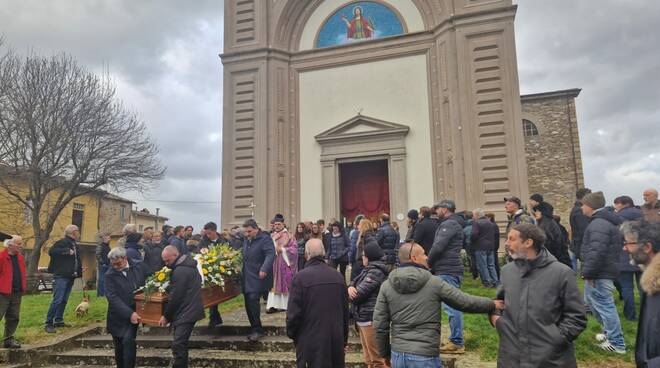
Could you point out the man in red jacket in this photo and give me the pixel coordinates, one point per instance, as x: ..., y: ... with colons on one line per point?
x: 12, y: 286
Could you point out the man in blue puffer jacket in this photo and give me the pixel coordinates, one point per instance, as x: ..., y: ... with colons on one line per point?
x: 388, y: 239
x: 601, y: 247
x: 445, y: 263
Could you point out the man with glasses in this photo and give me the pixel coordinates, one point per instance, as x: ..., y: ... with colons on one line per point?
x: 407, y: 307
x: 642, y: 243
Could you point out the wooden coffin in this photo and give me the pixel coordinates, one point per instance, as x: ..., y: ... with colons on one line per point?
x: 152, y: 309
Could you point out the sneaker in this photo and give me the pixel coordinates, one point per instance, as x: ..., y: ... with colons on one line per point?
x: 11, y: 344
x: 61, y: 324
x: 451, y: 348
x: 607, y: 346
x: 601, y: 337
x: 50, y: 329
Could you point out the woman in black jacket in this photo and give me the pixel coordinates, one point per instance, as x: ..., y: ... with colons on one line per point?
x: 363, y: 292
x: 555, y: 240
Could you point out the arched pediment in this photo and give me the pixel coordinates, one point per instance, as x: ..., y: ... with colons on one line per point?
x: 294, y: 16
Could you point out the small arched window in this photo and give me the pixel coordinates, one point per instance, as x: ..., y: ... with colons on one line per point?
x: 529, y: 129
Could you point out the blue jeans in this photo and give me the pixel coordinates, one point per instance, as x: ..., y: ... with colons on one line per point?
x: 486, y: 266
x: 61, y: 290
x: 601, y: 302
x: 100, y: 283
x: 405, y: 360
x: 627, y: 282
x: 455, y: 316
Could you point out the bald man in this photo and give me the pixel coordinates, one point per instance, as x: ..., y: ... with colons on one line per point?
x: 651, y: 207
x: 408, y: 305
x: 66, y: 266
x: 317, y: 312
x: 184, y: 307
x: 12, y: 285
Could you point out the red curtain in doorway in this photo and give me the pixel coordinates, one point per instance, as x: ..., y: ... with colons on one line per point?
x: 364, y: 189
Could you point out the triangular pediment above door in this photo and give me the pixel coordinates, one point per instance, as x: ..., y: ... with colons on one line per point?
x: 362, y: 126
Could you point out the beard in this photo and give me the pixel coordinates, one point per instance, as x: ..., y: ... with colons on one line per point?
x: 519, y: 254
x: 639, y: 258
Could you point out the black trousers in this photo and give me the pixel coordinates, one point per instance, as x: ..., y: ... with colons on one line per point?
x: 253, y: 310
x: 125, y: 350
x: 182, y: 334
x: 10, y: 310
x: 214, y: 315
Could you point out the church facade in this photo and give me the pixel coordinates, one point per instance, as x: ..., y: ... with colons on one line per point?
x: 338, y: 107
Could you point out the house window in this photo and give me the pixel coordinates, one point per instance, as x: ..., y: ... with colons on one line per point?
x: 122, y: 213
x: 77, y: 215
x: 529, y: 128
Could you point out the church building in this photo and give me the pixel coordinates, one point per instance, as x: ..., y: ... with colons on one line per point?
x: 338, y: 107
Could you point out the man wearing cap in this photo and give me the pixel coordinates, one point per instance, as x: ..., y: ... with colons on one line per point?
x: 258, y: 256
x: 642, y: 242
x: 446, y: 264
x: 601, y: 247
x: 516, y: 214
x: 285, y: 265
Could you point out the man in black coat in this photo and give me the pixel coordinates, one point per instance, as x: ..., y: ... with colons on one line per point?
x: 184, y: 307
x: 388, y: 239
x: 317, y: 312
x: 102, y: 263
x: 65, y: 265
x: 121, y: 281
x: 483, y: 236
x: 642, y: 243
x: 424, y: 233
x: 212, y: 238
x: 579, y: 223
x: 258, y: 257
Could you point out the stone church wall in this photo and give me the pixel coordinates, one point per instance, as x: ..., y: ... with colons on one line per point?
x: 554, y: 162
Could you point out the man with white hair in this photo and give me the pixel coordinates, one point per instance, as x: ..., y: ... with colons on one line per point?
x: 317, y: 312
x: 12, y: 286
x: 121, y: 281
x: 126, y: 231
x: 65, y: 265
x: 651, y: 207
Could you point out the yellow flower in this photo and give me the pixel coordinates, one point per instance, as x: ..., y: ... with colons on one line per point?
x: 205, y: 271
x: 222, y: 269
x: 212, y: 260
x: 161, y: 276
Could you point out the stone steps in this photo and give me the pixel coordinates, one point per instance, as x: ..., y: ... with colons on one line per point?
x: 197, y: 358
x: 231, y: 342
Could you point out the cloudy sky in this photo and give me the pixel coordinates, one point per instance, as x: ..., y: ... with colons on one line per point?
x: 163, y: 56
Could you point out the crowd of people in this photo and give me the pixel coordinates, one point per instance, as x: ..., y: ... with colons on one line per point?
x: 395, y: 287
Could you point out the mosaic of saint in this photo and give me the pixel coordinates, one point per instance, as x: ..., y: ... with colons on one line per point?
x: 359, y: 21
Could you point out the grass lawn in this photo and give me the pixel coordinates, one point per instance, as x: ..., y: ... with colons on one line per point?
x: 480, y: 336
x: 34, y: 309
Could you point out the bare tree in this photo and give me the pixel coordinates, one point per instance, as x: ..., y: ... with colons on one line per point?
x: 64, y: 134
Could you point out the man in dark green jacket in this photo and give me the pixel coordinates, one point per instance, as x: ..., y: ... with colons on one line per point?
x: 408, y: 308
x: 544, y: 312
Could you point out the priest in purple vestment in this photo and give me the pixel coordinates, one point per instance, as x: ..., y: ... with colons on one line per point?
x: 284, y: 267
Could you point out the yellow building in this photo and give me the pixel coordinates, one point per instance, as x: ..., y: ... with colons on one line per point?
x: 93, y: 213
x: 143, y: 219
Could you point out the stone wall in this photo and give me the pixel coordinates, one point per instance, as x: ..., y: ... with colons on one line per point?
x: 554, y: 161
x: 110, y: 215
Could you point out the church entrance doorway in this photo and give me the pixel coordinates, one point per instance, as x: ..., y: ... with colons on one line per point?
x: 364, y: 189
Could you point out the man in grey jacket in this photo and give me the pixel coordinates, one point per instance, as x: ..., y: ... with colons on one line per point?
x: 407, y: 309
x: 544, y: 312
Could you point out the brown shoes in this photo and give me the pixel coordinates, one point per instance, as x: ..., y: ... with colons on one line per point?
x: 451, y: 348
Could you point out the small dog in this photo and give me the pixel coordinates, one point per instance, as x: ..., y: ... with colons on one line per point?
x: 83, y: 307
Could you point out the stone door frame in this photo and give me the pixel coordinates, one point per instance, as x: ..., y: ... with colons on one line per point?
x: 343, y: 144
